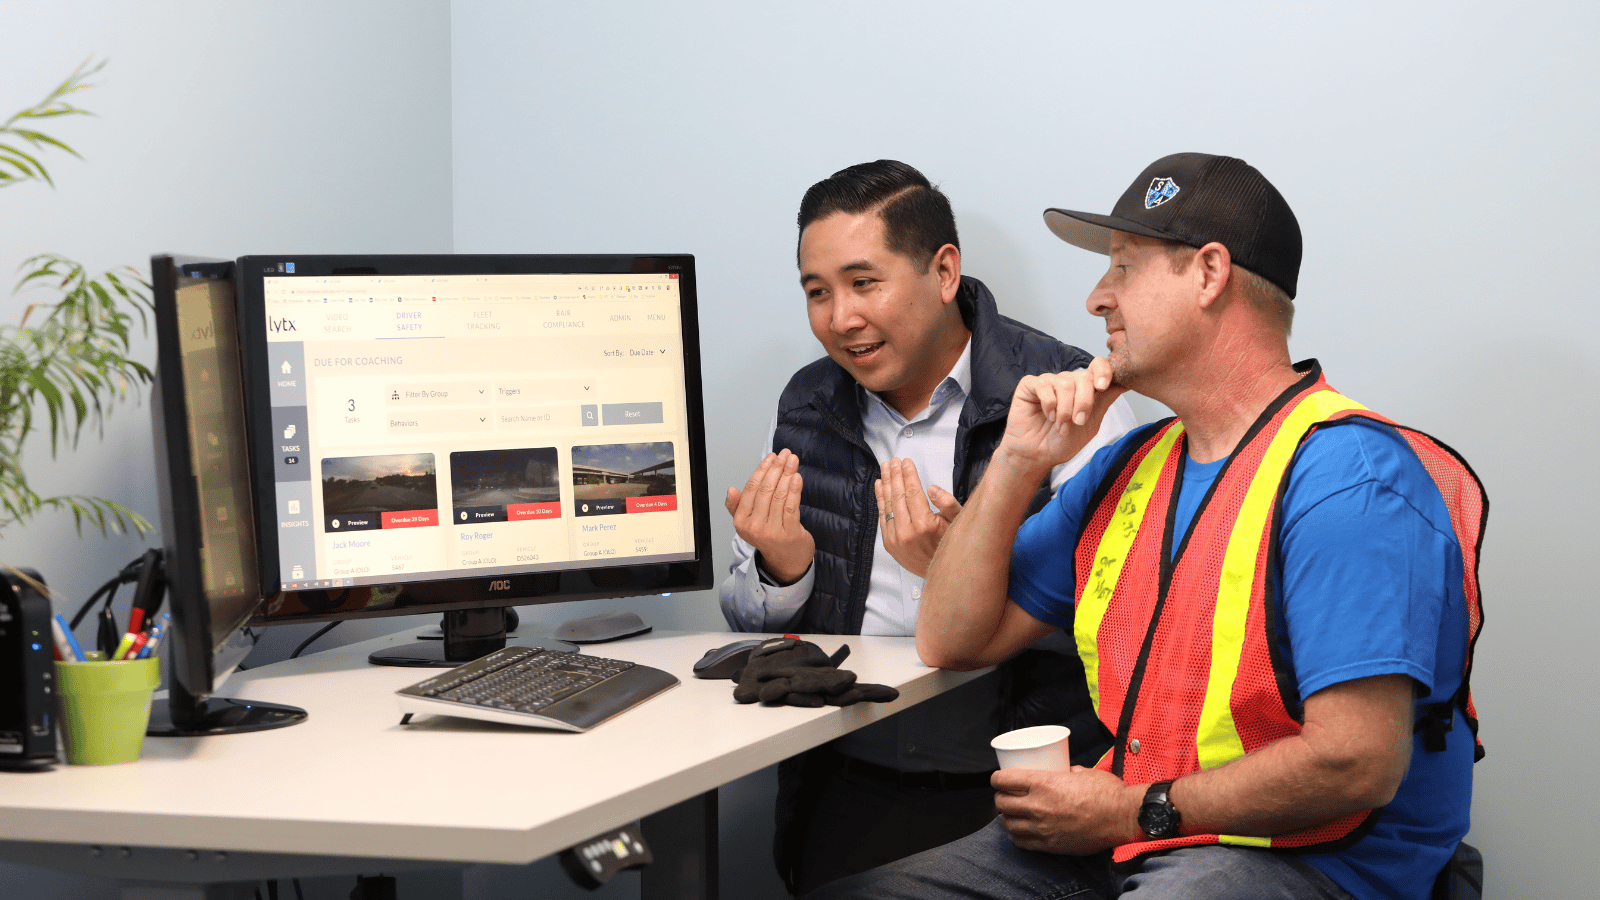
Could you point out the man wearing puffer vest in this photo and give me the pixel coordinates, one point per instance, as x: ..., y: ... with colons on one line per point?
x: 873, y: 449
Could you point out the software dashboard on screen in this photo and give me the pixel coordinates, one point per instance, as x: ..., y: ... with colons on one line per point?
x: 438, y: 426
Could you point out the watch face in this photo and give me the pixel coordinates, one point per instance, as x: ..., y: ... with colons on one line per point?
x: 1157, y: 816
x: 1157, y: 820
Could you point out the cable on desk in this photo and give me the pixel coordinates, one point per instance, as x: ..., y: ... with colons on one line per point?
x: 255, y: 638
x: 128, y: 575
x: 307, y: 642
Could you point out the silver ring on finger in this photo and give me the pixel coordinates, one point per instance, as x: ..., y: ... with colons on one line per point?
x: 888, y: 517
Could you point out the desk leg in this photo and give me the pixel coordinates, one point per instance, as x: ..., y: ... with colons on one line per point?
x: 683, y: 840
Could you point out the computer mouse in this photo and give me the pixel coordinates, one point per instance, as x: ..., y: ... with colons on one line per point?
x: 722, y: 662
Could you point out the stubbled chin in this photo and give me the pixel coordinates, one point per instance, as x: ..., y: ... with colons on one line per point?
x: 1121, y: 369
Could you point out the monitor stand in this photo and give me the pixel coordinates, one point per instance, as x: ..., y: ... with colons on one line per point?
x: 468, y: 634
x: 216, y: 715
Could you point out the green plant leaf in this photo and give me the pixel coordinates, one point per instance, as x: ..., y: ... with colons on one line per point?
x: 38, y: 138
x: 66, y: 361
x: 52, y: 106
x: 27, y: 166
x: 52, y: 402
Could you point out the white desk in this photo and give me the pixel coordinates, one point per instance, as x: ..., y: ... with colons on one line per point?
x: 351, y: 790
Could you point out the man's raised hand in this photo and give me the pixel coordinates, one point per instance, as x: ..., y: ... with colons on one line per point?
x: 911, y: 531
x: 1053, y: 416
x: 766, y: 514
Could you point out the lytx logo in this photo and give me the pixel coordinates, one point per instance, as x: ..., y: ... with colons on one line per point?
x: 280, y: 325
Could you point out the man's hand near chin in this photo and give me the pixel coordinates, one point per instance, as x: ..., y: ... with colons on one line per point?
x: 1054, y: 416
x: 766, y: 515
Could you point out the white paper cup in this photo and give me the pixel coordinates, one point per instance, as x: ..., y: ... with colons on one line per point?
x: 1039, y: 747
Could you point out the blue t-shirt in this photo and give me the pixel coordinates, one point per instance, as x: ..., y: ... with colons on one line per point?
x: 1371, y: 585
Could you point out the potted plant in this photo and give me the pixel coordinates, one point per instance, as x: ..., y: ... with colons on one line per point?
x: 66, y: 362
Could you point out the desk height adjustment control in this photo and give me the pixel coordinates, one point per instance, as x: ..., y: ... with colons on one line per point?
x: 594, y: 862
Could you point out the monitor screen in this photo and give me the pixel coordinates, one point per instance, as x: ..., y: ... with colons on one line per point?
x: 454, y: 431
x: 224, y: 564
x: 208, y: 566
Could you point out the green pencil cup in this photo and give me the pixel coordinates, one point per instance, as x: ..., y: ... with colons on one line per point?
x: 105, y: 708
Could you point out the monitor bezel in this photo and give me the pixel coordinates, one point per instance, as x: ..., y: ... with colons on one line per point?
x: 414, y: 597
x: 197, y: 659
x: 176, y: 477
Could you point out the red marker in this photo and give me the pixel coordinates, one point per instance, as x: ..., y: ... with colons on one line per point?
x: 138, y: 644
x: 134, y: 635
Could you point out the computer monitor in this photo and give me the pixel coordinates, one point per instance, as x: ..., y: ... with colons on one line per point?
x: 457, y: 434
x: 209, y: 569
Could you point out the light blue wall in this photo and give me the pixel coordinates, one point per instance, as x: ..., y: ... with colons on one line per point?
x: 1438, y: 156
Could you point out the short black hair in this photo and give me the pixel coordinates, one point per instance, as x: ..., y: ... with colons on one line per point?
x: 917, y: 219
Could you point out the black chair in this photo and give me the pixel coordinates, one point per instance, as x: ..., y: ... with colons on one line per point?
x: 1462, y: 878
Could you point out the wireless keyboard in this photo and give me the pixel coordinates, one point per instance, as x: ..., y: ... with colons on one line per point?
x: 533, y: 686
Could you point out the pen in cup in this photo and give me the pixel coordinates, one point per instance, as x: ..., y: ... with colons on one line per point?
x: 137, y: 646
x: 157, y: 633
x: 66, y: 643
x: 135, y: 619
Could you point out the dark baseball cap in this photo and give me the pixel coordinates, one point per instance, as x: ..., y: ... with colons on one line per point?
x: 1194, y: 199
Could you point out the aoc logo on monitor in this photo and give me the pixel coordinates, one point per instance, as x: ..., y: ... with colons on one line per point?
x: 503, y: 584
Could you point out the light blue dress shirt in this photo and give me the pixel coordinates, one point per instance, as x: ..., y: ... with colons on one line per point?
x: 951, y: 732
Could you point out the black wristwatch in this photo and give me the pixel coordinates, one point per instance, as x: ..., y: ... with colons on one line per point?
x: 1157, y: 816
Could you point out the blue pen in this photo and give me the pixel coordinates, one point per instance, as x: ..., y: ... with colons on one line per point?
x: 151, y: 643
x: 72, y: 640
x: 144, y: 651
x: 156, y: 634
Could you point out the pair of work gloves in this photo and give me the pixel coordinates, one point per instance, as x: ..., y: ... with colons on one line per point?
x: 792, y: 672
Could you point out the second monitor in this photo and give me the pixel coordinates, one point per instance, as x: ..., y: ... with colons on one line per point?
x: 463, y: 433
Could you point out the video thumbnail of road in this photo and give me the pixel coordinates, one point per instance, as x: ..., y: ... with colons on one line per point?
x: 610, y: 479
x: 505, y: 485
x: 363, y: 493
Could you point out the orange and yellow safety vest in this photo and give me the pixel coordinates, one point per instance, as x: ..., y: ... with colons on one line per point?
x: 1191, y: 640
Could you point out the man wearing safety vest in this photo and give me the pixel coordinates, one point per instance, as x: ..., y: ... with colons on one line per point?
x: 1274, y: 593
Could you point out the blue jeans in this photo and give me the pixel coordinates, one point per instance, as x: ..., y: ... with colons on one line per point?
x: 986, y: 864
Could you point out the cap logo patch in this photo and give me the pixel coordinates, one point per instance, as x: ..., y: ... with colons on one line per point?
x: 1160, y: 191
